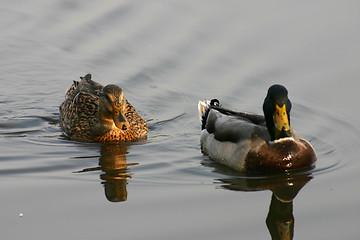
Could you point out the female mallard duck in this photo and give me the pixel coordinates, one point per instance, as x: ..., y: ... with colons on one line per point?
x: 251, y: 142
x: 92, y: 112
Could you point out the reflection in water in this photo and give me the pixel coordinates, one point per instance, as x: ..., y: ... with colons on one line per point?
x: 115, y: 171
x: 285, y: 187
x: 280, y: 219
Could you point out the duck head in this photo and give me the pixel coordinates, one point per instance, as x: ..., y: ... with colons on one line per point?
x: 276, y: 109
x: 112, y: 105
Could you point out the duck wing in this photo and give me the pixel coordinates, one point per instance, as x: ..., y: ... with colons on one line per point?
x: 87, y: 85
x: 227, y: 125
x: 79, y: 109
x: 254, y: 118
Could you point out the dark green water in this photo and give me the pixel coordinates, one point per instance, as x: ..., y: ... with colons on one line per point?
x: 167, y: 55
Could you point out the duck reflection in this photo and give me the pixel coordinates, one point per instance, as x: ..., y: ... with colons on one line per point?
x: 285, y: 187
x: 115, y: 171
x: 280, y: 219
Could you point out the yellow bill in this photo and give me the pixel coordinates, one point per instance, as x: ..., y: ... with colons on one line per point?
x: 281, y: 120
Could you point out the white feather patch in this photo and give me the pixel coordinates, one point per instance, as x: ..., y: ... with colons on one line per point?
x: 202, y: 107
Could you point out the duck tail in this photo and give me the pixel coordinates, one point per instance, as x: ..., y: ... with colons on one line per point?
x: 204, y: 108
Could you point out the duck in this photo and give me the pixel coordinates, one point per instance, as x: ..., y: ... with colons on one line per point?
x: 254, y: 143
x: 94, y: 113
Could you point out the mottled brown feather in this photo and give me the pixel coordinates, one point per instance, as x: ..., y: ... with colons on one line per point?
x: 79, y: 118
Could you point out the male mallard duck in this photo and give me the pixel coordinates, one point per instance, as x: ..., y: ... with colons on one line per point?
x: 250, y: 142
x: 92, y: 112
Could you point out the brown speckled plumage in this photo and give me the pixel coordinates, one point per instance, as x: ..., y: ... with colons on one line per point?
x: 79, y: 114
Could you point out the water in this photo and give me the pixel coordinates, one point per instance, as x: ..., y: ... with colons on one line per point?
x: 167, y: 55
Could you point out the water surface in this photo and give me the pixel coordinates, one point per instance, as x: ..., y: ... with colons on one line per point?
x: 167, y: 55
